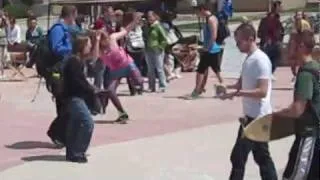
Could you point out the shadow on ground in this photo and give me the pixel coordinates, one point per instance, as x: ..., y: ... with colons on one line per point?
x: 31, y: 145
x: 57, y: 158
x: 282, y: 89
x: 105, y: 122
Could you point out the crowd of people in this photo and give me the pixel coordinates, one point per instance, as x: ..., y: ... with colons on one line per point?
x: 125, y: 45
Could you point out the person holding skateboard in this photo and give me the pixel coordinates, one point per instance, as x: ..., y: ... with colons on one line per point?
x: 303, y: 160
x: 254, y: 86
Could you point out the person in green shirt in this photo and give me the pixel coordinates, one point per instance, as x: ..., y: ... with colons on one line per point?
x: 156, y: 44
x: 305, y: 112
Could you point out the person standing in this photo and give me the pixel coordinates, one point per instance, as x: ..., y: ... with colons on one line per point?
x: 3, y: 44
x: 271, y: 33
x: 254, y: 86
x: 155, y: 52
x: 61, y: 47
x: 304, y: 110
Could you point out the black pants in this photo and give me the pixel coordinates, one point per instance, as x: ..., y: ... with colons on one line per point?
x: 139, y: 60
x: 274, y: 53
x: 57, y: 129
x: 261, y: 156
x: 294, y: 155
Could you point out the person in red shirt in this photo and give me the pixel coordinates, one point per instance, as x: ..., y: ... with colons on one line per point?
x: 271, y: 34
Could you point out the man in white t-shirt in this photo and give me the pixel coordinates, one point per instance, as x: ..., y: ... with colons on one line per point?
x: 254, y: 86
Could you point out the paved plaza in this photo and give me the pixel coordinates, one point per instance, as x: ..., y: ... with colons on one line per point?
x: 168, y: 138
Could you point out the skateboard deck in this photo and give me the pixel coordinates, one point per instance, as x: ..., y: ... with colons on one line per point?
x: 268, y: 128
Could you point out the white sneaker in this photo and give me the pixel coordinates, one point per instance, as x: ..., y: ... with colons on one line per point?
x: 178, y: 76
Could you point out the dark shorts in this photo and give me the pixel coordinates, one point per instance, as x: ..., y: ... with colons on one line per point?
x: 209, y: 60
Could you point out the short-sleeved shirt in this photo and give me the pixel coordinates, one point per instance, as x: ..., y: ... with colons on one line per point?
x: 307, y: 88
x: 116, y: 59
x: 257, y: 66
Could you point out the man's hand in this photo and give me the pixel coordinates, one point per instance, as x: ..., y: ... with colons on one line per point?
x: 228, y: 96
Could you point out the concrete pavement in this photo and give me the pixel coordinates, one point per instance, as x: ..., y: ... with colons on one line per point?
x: 168, y: 138
x: 197, y: 154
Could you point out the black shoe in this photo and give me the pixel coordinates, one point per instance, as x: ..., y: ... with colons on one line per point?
x: 123, y: 118
x: 56, y: 142
x: 82, y: 159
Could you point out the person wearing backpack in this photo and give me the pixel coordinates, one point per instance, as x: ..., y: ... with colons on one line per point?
x: 209, y: 57
x: 304, y: 110
x: 60, y: 48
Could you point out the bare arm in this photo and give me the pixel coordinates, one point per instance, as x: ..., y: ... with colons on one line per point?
x: 213, y: 23
x: 236, y: 86
x: 295, y: 110
x: 124, y: 31
x: 96, y: 46
x: 259, y: 92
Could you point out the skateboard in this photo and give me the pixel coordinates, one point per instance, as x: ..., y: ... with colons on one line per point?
x: 269, y: 128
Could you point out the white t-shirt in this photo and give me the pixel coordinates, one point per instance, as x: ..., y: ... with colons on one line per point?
x: 256, y: 66
x: 14, y: 34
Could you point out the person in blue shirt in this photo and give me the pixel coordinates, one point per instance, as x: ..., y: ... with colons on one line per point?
x: 60, y: 43
x: 211, y: 52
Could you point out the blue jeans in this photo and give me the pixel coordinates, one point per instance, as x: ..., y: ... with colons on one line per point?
x: 155, y: 63
x: 79, y: 129
x: 274, y: 53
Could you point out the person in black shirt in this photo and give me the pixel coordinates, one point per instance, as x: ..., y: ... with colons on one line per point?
x: 77, y: 91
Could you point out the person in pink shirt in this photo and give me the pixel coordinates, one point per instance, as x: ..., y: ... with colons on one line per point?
x: 119, y: 64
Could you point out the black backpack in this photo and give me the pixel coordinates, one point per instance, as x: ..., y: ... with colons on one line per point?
x: 48, y: 65
x: 316, y: 75
x: 223, y: 31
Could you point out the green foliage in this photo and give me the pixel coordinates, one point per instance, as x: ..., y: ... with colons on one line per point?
x: 17, y: 11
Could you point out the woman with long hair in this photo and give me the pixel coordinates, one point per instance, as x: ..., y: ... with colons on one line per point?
x: 78, y: 93
x: 119, y: 64
x: 155, y: 52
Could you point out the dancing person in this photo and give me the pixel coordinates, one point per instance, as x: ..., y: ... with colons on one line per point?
x: 119, y: 64
x: 61, y: 47
x: 77, y: 91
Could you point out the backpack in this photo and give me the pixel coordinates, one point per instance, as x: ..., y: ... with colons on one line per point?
x: 223, y: 31
x: 316, y: 74
x: 48, y: 65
